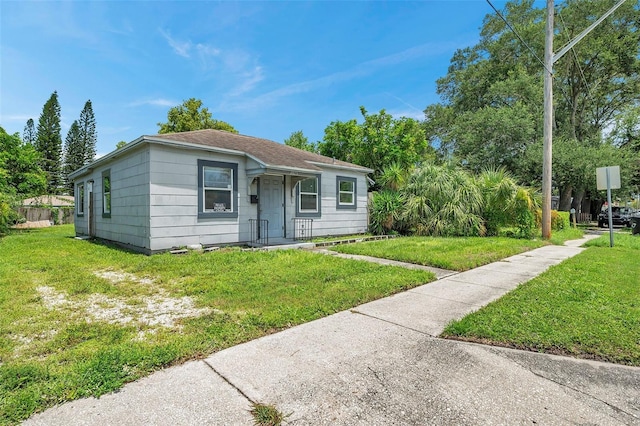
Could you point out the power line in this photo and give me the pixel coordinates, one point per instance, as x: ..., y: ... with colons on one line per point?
x: 575, y: 55
x: 519, y: 37
x: 531, y: 50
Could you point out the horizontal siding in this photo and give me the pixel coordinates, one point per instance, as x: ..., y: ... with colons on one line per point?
x: 174, y: 218
x: 334, y: 221
x: 129, y: 221
x: 155, y: 202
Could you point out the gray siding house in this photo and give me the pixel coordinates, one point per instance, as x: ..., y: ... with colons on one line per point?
x: 209, y: 187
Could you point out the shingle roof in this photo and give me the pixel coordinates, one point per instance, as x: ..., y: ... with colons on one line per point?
x: 272, y: 154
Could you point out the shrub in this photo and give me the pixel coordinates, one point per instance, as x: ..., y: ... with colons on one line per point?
x: 559, y: 220
x: 506, y: 204
x: 523, y: 208
x: 7, y: 213
x: 443, y: 201
x: 385, y: 211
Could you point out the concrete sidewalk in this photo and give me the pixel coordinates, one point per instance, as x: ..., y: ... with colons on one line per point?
x: 380, y: 364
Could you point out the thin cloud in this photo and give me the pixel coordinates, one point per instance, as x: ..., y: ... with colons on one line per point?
x: 180, y: 48
x: 18, y: 117
x: 359, y: 70
x: 114, y: 130
x: 188, y: 50
x: 161, y: 102
x: 251, y: 79
x: 415, y: 112
x: 408, y: 114
x: 206, y: 50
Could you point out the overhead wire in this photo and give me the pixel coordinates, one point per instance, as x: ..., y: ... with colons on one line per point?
x: 550, y: 71
x: 519, y: 37
x: 575, y: 56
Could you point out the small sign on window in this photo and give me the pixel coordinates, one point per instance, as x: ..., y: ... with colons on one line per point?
x: 219, y: 207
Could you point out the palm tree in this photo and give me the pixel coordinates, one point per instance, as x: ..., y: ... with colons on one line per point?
x: 443, y: 200
x: 505, y: 202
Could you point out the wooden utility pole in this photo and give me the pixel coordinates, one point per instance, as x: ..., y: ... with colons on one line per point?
x: 548, y: 124
x: 549, y: 60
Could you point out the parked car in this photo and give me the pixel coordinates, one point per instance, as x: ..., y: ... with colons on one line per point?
x: 620, y: 216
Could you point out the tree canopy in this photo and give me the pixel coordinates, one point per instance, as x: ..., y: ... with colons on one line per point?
x: 298, y: 140
x: 379, y: 141
x: 491, y: 107
x: 192, y: 116
x: 20, y: 172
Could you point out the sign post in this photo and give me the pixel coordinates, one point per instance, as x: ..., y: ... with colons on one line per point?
x: 608, y: 178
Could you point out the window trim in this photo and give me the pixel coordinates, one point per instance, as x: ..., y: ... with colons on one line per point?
x: 202, y: 214
x: 105, y: 212
x: 309, y: 213
x: 80, y: 195
x: 345, y: 206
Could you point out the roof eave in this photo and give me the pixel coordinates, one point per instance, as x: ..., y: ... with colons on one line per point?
x: 355, y: 168
x: 113, y: 154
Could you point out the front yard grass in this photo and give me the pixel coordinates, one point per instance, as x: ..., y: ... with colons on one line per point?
x: 457, y: 254
x: 587, y: 306
x: 79, y: 318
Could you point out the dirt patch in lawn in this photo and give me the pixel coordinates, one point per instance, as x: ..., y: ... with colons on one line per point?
x: 157, y: 310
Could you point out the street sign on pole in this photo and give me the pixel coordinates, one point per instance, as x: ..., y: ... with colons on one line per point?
x: 614, y: 176
x: 608, y: 178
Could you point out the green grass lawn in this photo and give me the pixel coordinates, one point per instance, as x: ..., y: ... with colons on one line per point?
x: 457, y: 254
x: 79, y: 318
x: 559, y: 237
x: 588, y: 307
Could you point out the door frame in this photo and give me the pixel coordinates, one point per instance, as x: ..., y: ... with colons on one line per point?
x: 91, y: 220
x: 282, y: 210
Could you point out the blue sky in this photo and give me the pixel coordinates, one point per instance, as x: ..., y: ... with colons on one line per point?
x: 267, y: 68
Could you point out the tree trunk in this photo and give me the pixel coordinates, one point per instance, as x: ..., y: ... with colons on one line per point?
x: 596, y: 207
x: 565, y: 198
x: 577, y: 200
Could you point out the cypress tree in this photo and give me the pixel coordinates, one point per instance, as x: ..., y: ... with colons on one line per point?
x: 49, y: 143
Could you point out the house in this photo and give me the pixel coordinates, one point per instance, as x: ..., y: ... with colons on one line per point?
x: 210, y: 187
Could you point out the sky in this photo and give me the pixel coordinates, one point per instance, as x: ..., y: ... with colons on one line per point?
x: 268, y: 68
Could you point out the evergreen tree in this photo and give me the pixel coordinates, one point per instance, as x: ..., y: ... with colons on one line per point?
x: 49, y: 143
x: 29, y: 134
x: 74, y: 154
x: 88, y: 136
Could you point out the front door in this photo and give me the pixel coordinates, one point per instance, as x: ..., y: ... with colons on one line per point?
x: 272, y: 204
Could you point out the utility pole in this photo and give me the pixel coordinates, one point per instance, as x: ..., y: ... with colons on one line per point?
x: 548, y: 124
x: 549, y: 60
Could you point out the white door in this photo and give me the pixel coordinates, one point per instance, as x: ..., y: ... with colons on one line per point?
x: 271, y: 204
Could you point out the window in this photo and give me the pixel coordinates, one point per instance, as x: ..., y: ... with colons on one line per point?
x: 308, y: 202
x: 106, y: 193
x: 346, y: 195
x: 217, y: 189
x: 80, y: 199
